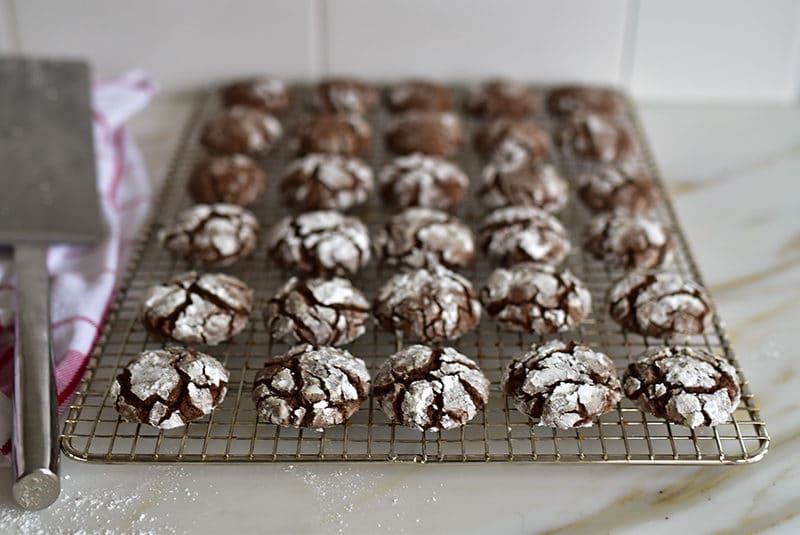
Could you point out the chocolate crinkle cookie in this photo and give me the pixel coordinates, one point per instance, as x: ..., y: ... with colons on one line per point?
x: 344, y: 95
x: 505, y: 133
x: 168, y: 388
x: 214, y: 235
x: 430, y: 388
x: 536, y: 298
x: 418, y: 95
x: 629, y: 241
x: 317, y: 311
x: 522, y: 181
x: 422, y: 237
x: 324, y: 242
x: 310, y: 387
x: 194, y: 308
x: 429, y: 305
x: 241, y: 130
x: 233, y: 179
x: 562, y: 384
x: 572, y: 100
x: 660, y: 304
x: 333, y: 133
x: 420, y: 180
x: 267, y: 94
x: 524, y: 234
x: 595, y: 138
x: 326, y: 181
x: 435, y: 133
x: 686, y: 386
x: 617, y: 188
x: 500, y: 98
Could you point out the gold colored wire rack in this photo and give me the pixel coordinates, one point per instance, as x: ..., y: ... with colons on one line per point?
x: 233, y: 433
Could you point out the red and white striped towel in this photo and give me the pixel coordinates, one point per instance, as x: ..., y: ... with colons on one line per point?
x: 83, y: 278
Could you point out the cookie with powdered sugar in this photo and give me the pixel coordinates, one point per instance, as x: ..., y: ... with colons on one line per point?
x: 196, y: 308
x: 660, y: 305
x: 500, y: 98
x: 536, y: 298
x: 610, y: 188
x: 420, y: 237
x: 418, y: 95
x: 595, y: 138
x: 168, y: 388
x: 687, y: 386
x: 517, y: 180
x: 562, y: 384
x: 569, y: 100
x: 333, y: 133
x: 232, y: 179
x: 524, y: 234
x: 427, y: 132
x: 629, y: 241
x: 344, y: 95
x: 214, y: 235
x: 420, y: 180
x: 324, y: 242
x: 317, y: 311
x: 241, y: 130
x: 430, y: 388
x: 326, y: 182
x: 271, y: 95
x: 428, y: 305
x: 504, y: 132
x: 310, y: 387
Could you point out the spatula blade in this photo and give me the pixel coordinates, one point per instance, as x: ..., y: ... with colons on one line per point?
x: 48, y: 187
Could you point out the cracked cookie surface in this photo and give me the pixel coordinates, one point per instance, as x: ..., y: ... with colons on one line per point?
x: 167, y: 388
x: 629, y: 241
x: 422, y: 237
x: 233, y: 179
x: 595, y: 138
x: 333, y: 133
x: 312, y: 388
x: 317, y: 311
x: 418, y: 95
x: 520, y: 181
x: 617, y: 188
x: 241, y: 130
x: 214, y: 235
x: 344, y: 95
x: 660, y: 304
x: 194, y: 308
x: 500, y: 98
x: 430, y: 388
x: 505, y: 133
x: 687, y: 386
x: 324, y: 242
x: 562, y: 384
x: 420, y: 180
x: 429, y: 305
x: 537, y: 298
x: 570, y: 100
x: 320, y: 181
x: 267, y: 94
x: 426, y: 132
x: 524, y: 234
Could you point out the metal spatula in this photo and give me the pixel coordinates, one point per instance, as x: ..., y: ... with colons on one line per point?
x: 48, y: 195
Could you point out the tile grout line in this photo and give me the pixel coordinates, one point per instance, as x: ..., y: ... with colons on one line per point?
x: 629, y: 37
x: 794, y: 90
x: 321, y: 37
x: 9, y: 22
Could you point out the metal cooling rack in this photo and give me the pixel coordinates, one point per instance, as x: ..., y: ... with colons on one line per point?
x: 232, y: 433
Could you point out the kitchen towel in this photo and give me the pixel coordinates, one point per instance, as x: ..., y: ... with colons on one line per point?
x: 83, y: 278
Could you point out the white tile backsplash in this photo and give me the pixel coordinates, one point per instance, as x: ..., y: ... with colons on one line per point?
x: 730, y: 49
x: 534, y: 39
x: 182, y: 42
x: 681, y: 49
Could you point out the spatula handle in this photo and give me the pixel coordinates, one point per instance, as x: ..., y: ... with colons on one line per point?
x: 36, y: 454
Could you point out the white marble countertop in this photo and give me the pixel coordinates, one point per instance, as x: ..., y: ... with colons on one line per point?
x: 734, y: 172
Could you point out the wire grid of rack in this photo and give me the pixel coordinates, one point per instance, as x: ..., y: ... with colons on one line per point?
x: 233, y: 433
